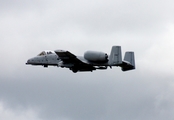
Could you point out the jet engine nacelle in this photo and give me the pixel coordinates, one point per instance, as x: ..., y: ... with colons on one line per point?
x: 94, y: 56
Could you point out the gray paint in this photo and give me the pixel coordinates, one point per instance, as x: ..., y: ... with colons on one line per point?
x: 94, y: 56
x: 92, y: 60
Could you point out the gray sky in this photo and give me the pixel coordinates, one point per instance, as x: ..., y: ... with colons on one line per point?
x: 29, y: 92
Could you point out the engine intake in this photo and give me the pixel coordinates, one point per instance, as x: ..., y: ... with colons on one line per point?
x: 94, y: 56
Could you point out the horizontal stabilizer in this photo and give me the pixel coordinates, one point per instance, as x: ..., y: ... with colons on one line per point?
x: 128, y: 62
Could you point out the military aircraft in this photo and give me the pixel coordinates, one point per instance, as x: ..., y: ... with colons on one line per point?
x: 92, y: 60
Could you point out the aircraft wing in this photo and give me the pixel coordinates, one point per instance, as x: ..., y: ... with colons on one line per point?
x: 69, y: 58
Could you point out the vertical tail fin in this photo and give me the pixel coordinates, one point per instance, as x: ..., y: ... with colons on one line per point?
x: 115, y: 57
x: 128, y: 62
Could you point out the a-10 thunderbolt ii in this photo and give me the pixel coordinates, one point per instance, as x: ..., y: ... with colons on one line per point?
x: 92, y: 60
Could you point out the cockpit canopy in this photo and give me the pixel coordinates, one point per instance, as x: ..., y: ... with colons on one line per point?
x: 45, y: 53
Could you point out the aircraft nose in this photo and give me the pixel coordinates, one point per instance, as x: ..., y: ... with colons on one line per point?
x: 29, y: 61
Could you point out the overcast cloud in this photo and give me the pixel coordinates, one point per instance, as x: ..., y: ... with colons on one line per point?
x: 37, y: 93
